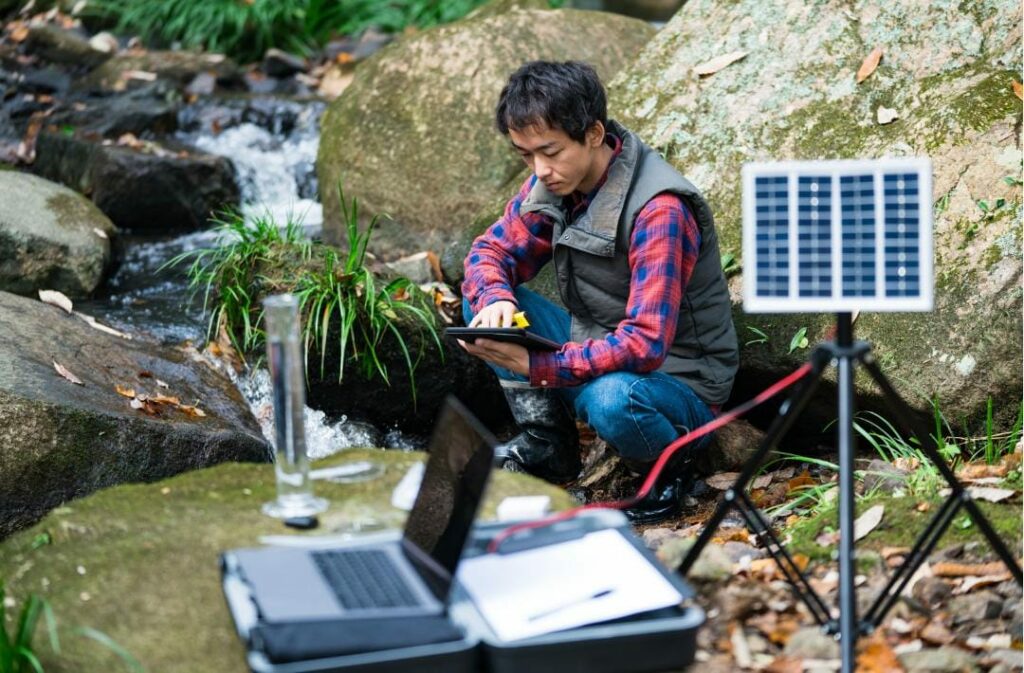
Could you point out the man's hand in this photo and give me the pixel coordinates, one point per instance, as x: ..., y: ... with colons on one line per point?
x: 498, y: 314
x: 513, y: 357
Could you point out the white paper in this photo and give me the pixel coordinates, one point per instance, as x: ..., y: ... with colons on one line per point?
x: 592, y: 579
x: 404, y: 495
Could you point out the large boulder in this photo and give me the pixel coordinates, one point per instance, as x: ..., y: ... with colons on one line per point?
x: 139, y: 562
x: 60, y: 440
x: 413, y: 135
x: 948, y: 73
x: 51, y: 238
x: 147, y: 186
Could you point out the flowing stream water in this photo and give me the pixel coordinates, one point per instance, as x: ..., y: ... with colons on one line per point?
x: 272, y: 145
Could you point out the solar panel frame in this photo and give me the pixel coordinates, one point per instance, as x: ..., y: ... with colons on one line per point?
x: 895, y: 262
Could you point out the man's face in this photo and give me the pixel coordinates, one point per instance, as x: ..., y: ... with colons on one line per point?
x: 563, y: 164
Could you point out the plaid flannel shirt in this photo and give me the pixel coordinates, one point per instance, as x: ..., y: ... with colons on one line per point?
x: 663, y: 251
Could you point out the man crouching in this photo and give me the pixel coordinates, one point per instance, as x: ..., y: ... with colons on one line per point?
x: 649, y: 350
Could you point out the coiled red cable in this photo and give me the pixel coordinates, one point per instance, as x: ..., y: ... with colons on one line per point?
x: 659, y: 465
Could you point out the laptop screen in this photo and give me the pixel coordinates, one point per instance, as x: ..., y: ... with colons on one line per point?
x: 461, y: 454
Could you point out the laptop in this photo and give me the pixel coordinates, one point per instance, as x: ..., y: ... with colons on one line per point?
x: 402, y: 578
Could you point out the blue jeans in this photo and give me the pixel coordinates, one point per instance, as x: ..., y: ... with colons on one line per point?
x: 637, y: 414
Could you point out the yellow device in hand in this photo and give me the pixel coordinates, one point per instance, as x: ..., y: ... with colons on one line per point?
x: 519, y: 319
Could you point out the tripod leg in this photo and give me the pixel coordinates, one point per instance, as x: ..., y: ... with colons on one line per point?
x: 847, y: 447
x: 801, y: 587
x: 922, y: 548
x: 929, y: 448
x: 788, y: 413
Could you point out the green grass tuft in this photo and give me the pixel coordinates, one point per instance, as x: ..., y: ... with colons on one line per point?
x: 347, y: 311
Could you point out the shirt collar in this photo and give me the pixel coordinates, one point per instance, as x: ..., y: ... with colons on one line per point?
x: 578, y: 200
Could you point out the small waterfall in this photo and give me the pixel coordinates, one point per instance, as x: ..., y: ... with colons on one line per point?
x: 272, y: 145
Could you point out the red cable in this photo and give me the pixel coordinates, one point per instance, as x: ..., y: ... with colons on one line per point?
x: 659, y: 465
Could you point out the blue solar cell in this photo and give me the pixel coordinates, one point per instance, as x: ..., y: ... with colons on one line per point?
x: 772, y: 236
x: 902, y: 235
x: 857, y: 208
x: 814, y: 236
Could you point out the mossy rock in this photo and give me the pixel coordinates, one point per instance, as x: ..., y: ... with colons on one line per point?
x: 175, y: 67
x: 903, y: 519
x: 413, y: 136
x: 61, y: 440
x: 140, y: 562
x: 51, y: 238
x: 947, y: 69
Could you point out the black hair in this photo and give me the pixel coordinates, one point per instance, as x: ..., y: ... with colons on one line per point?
x: 566, y: 95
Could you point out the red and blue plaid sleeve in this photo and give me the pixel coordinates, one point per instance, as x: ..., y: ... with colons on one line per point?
x: 509, y: 253
x: 663, y: 251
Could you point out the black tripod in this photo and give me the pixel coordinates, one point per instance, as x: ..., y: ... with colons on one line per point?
x: 847, y: 353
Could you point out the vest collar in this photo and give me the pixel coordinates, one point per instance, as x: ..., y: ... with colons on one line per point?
x: 602, y: 216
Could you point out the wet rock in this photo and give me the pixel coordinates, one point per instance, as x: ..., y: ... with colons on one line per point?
x: 737, y: 551
x: 56, y: 45
x: 141, y: 112
x: 51, y: 238
x: 731, y: 446
x: 60, y: 440
x: 883, y: 475
x: 202, y: 84
x: 941, y: 660
x: 278, y: 63
x: 931, y: 591
x: 46, y: 80
x: 969, y: 349
x: 383, y: 136
x: 812, y: 643
x: 975, y: 607
x: 712, y: 566
x: 133, y: 69
x: 153, y: 187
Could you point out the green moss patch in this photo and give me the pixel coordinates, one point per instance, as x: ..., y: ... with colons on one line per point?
x: 140, y: 562
x: 902, y: 523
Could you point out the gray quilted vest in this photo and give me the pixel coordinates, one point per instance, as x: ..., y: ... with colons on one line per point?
x: 592, y: 266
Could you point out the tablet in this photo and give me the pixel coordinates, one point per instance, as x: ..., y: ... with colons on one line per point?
x: 515, y: 335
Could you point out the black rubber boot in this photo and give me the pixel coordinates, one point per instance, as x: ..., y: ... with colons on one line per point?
x: 548, y: 446
x: 666, y: 498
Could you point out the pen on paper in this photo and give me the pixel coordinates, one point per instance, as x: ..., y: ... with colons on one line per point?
x: 569, y: 604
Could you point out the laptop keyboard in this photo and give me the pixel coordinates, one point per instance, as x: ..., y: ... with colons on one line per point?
x: 365, y: 579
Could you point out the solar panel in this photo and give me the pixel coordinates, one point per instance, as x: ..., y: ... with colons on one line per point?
x: 837, y: 236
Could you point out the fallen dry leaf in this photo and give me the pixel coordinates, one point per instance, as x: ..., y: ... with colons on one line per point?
x: 714, y: 65
x: 63, y: 371
x: 983, y: 493
x: 950, y: 569
x: 99, y: 232
x: 1018, y: 89
x: 764, y: 481
x: 971, y: 583
x: 722, y: 481
x: 144, y: 405
x: 19, y: 33
x: 165, y: 399
x: 95, y: 324
x: 124, y: 390
x: 983, y: 470
x: 161, y: 383
x: 192, y: 410
x: 869, y: 65
x: 867, y: 522
x: 800, y: 481
x: 877, y: 657
x: 785, y: 665
x: 936, y: 633
x: 145, y: 374
x: 55, y: 298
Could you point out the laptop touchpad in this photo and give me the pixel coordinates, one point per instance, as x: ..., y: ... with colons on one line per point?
x: 288, y: 585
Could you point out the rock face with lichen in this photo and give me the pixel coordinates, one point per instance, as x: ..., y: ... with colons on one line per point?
x: 51, y: 238
x: 413, y: 135
x: 61, y: 439
x: 947, y: 70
